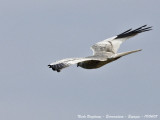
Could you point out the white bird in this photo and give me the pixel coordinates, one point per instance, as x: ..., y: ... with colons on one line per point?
x: 103, y: 52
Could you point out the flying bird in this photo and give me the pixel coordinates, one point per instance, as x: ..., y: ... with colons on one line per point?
x: 103, y: 52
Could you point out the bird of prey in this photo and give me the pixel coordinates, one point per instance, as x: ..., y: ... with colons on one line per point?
x: 103, y: 52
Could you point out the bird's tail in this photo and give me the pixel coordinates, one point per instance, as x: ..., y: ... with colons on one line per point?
x: 118, y: 55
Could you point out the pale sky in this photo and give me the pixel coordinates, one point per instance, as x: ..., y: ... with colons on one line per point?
x: 35, y: 33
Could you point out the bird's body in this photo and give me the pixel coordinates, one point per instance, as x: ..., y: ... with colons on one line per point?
x: 104, y: 52
x: 93, y: 64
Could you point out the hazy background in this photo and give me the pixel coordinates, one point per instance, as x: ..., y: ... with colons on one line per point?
x: 34, y: 33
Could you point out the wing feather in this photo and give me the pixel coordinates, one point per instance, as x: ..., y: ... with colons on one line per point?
x: 61, y: 64
x: 112, y: 44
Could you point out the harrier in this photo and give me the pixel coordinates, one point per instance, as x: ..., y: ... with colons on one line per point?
x: 103, y: 52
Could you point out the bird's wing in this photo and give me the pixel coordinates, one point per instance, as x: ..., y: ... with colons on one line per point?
x: 112, y: 44
x: 59, y: 65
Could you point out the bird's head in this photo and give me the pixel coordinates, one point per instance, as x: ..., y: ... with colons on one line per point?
x: 78, y: 64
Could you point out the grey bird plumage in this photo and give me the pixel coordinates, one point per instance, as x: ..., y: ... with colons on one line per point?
x: 103, y: 52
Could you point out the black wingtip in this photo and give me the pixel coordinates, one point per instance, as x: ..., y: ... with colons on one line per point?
x: 50, y: 66
x: 58, y: 67
x: 131, y: 32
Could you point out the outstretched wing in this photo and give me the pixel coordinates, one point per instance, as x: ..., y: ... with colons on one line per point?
x: 59, y: 65
x: 112, y: 44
